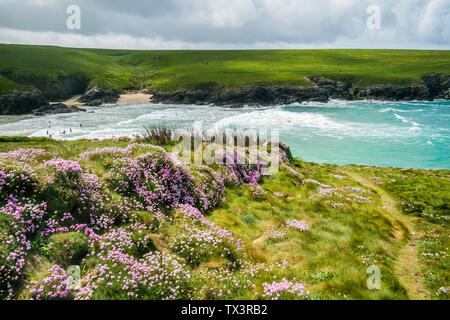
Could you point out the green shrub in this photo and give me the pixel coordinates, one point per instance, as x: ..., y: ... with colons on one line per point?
x: 68, y: 248
x: 24, y: 139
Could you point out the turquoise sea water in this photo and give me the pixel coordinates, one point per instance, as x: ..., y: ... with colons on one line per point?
x: 400, y: 134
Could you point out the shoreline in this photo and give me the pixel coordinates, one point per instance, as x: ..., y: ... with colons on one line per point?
x: 219, y: 77
x: 130, y: 120
x: 135, y: 98
x: 128, y: 97
x: 136, y: 139
x: 323, y: 90
x: 71, y: 102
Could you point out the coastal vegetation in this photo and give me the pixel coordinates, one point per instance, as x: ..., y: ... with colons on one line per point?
x: 43, y: 67
x: 141, y: 225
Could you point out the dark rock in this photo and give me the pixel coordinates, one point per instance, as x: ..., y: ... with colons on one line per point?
x: 97, y: 96
x: 63, y: 88
x: 333, y: 89
x: 446, y: 95
x: 95, y: 102
x: 434, y: 87
x: 393, y: 93
x: 248, y: 95
x: 286, y: 149
x: 438, y: 85
x: 20, y: 102
x: 56, y: 109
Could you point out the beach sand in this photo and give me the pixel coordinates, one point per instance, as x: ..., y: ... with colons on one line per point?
x: 124, y: 98
x: 135, y: 98
x: 72, y: 102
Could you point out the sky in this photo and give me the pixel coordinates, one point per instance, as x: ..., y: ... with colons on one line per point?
x: 228, y: 24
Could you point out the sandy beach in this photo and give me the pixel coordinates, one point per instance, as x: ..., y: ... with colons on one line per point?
x: 136, y: 98
x: 72, y: 102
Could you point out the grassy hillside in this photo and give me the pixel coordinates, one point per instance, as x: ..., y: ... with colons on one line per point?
x: 310, y: 229
x: 169, y: 70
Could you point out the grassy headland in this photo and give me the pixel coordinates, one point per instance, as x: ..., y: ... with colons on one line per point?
x: 26, y: 67
x: 317, y: 226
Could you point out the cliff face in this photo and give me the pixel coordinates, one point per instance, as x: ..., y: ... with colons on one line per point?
x: 63, y: 88
x: 96, y: 96
x: 18, y: 103
x: 438, y: 85
x: 21, y: 102
x: 434, y: 87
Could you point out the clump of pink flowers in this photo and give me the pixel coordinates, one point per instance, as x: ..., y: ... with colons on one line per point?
x: 300, y: 225
x: 284, y: 289
x: 258, y: 192
x: 103, y: 152
x: 155, y: 180
x: 64, y: 166
x: 56, y: 286
x: 239, y: 170
x: 144, y: 190
x: 200, y: 239
x: 22, y: 221
x: 275, y: 235
x: 25, y: 155
x: 279, y: 233
x: 155, y: 275
x: 16, y: 183
x: 160, y: 183
x: 116, y: 152
x: 209, y: 189
x: 443, y: 292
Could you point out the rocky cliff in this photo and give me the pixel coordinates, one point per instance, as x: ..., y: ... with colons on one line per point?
x: 322, y: 90
x: 20, y: 102
x: 96, y: 96
x: 433, y: 87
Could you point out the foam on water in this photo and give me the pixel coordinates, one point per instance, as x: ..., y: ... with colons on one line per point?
x: 403, y: 134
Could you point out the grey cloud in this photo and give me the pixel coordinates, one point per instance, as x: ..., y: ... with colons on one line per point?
x: 237, y: 22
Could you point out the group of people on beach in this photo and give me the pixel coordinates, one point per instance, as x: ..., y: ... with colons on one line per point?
x: 63, y: 132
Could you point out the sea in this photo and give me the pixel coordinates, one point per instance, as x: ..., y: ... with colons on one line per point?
x: 392, y: 134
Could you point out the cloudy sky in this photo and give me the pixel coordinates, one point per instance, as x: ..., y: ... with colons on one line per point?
x: 228, y: 24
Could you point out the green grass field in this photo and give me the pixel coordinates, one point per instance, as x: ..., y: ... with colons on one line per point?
x: 22, y: 67
x: 396, y: 219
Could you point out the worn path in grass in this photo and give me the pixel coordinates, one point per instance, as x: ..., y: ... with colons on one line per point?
x: 260, y: 240
x: 407, y: 262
